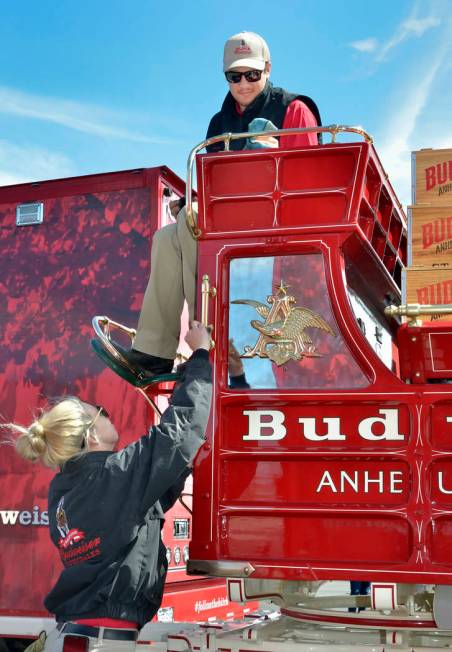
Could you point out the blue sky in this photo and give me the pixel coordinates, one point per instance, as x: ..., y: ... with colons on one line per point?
x: 99, y: 86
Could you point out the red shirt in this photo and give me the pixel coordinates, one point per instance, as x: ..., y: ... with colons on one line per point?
x: 107, y: 622
x: 298, y: 115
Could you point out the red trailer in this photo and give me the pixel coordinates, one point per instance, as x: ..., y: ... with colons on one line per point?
x: 70, y: 248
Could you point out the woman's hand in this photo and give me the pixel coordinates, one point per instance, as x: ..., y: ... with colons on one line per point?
x: 235, y: 364
x: 198, y: 337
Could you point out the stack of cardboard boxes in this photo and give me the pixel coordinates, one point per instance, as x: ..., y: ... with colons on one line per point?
x: 428, y: 279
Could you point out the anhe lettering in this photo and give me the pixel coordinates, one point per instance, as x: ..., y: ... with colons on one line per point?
x: 361, y: 482
x: 365, y: 482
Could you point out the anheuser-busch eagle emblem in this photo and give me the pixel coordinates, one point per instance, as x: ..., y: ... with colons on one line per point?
x: 282, y: 336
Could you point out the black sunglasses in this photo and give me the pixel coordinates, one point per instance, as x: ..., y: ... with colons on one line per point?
x: 102, y: 411
x: 250, y: 76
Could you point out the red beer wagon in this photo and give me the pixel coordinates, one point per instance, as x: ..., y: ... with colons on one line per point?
x: 336, y: 462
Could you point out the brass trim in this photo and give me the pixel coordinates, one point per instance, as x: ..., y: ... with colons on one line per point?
x: 413, y: 310
x: 151, y: 402
x: 281, y: 334
x: 207, y: 292
x: 101, y: 326
x: 334, y: 130
x: 220, y: 568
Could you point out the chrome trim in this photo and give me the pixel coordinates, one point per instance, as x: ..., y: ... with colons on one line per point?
x: 330, y: 129
x: 220, y: 568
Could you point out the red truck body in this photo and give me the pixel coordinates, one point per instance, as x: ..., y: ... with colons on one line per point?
x: 90, y: 253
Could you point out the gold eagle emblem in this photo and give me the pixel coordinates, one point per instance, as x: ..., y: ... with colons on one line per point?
x: 282, y: 334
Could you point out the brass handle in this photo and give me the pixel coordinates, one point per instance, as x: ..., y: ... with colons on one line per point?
x: 206, y: 293
x: 413, y: 310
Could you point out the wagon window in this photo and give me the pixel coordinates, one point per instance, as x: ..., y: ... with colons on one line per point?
x: 282, y: 324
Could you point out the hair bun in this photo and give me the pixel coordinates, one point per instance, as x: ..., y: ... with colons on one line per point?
x: 36, y: 429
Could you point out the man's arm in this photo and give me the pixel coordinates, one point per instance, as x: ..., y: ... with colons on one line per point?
x: 298, y: 115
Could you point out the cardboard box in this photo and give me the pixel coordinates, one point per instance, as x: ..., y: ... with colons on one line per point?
x: 431, y: 174
x: 428, y: 285
x: 430, y: 236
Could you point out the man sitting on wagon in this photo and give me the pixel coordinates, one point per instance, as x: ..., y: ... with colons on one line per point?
x: 246, y: 65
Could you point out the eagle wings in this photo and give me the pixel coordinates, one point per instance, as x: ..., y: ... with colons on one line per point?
x: 290, y: 331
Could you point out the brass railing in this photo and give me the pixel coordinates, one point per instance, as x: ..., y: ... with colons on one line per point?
x: 334, y: 130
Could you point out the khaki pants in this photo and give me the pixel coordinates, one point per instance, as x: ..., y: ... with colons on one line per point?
x: 55, y: 642
x: 172, y: 280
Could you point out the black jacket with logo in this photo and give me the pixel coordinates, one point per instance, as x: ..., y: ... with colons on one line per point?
x: 106, y: 511
x: 271, y: 104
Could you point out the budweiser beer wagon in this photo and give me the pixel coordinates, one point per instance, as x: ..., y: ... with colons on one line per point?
x: 336, y: 462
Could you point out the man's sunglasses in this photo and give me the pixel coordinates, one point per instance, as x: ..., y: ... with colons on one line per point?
x: 250, y: 76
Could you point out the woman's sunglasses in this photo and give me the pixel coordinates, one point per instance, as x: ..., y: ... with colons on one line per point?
x: 102, y: 411
x: 250, y: 76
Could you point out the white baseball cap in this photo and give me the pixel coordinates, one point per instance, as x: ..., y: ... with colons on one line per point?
x: 245, y: 49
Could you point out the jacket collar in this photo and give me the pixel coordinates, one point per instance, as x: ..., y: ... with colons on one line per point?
x: 81, y: 461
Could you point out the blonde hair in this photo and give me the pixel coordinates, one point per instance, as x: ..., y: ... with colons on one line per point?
x: 56, y: 435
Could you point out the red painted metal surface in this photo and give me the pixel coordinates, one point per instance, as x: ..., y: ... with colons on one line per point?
x: 199, y: 600
x: 348, y: 477
x: 89, y: 256
x: 426, y: 352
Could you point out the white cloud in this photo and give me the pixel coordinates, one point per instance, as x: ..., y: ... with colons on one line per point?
x: 403, y: 134
x: 21, y: 163
x: 84, y: 117
x: 418, y: 26
x: 366, y: 45
x: 412, y: 27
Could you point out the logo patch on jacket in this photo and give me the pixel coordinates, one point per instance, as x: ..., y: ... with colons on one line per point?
x: 70, y: 552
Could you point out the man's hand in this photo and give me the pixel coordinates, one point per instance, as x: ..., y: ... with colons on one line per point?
x: 198, y: 337
x: 235, y: 364
x: 267, y: 141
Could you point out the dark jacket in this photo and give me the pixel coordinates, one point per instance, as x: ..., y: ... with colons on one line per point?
x: 271, y: 104
x: 106, y: 511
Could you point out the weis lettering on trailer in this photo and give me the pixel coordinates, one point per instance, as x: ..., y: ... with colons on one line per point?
x: 437, y: 175
x: 24, y: 517
x: 438, y: 232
